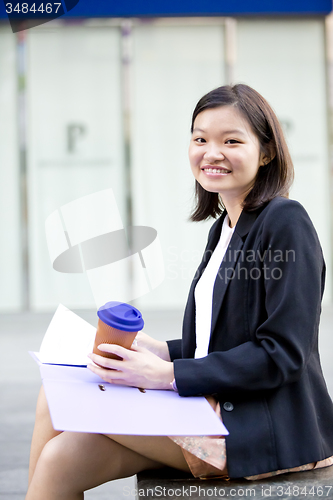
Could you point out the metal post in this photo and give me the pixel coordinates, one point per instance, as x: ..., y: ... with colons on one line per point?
x: 230, y: 41
x: 22, y: 138
x: 126, y: 60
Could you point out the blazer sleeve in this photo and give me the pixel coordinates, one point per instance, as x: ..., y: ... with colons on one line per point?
x: 175, y: 349
x: 282, y: 343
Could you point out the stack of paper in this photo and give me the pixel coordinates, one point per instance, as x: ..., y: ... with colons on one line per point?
x: 67, y: 340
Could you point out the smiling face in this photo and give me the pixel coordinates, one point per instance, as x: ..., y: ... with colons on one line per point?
x: 224, y: 153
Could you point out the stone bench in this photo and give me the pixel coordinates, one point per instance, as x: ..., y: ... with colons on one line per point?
x: 172, y: 484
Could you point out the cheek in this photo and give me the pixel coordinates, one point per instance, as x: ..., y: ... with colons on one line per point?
x: 194, y: 157
x: 192, y: 160
x: 247, y: 163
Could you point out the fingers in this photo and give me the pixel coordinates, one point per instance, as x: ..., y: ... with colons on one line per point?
x: 122, y: 351
x: 116, y: 349
x: 110, y: 376
x: 139, y: 348
x: 143, y: 339
x: 141, y: 335
x: 106, y: 363
x: 109, y: 370
x: 138, y: 368
x: 116, y: 364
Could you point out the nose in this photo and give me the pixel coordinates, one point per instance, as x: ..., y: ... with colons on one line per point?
x: 213, y: 153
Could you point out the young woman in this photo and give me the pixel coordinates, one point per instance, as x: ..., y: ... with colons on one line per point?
x: 250, y: 332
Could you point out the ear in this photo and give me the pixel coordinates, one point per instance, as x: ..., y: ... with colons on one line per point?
x: 267, y: 156
x: 265, y: 161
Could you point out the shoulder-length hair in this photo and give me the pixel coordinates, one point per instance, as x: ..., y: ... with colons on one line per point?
x: 274, y: 178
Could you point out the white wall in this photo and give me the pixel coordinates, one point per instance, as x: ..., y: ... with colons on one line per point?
x: 10, y: 229
x: 285, y: 61
x: 73, y: 78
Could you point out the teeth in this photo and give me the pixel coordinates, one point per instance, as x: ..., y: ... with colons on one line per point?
x: 216, y: 171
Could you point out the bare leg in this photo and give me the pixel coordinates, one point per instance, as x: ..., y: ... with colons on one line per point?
x: 74, y: 462
x: 43, y: 431
x: 158, y: 448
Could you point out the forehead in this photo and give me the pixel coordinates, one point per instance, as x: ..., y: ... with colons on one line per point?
x: 223, y: 119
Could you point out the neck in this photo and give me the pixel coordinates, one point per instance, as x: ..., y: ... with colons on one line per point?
x: 234, y: 209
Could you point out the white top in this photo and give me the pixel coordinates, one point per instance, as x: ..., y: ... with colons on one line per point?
x: 203, y: 293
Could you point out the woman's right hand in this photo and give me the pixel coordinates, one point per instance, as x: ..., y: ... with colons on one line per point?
x: 157, y: 347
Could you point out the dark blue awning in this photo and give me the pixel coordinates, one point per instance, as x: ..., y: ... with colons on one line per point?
x: 176, y: 8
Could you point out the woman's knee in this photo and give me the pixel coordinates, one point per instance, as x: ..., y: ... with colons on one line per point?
x: 55, y: 471
x: 53, y: 455
x: 54, y: 477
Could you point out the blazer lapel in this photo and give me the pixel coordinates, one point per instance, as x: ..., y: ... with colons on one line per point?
x: 227, y: 268
x: 243, y: 226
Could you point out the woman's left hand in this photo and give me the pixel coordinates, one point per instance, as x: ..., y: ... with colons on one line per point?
x: 138, y: 368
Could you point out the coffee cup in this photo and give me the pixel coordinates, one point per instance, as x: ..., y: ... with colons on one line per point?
x: 118, y: 323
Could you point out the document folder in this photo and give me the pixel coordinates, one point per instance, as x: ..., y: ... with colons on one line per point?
x: 81, y: 401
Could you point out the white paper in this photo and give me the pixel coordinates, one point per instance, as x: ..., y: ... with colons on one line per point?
x: 67, y: 340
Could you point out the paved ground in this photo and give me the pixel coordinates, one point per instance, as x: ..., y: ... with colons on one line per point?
x: 20, y: 382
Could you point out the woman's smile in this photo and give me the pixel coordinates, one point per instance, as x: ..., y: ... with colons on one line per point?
x: 214, y: 170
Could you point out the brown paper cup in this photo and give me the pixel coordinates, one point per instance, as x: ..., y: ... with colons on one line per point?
x: 106, y: 334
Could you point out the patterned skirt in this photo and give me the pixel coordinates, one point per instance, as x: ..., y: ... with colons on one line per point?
x: 206, y: 456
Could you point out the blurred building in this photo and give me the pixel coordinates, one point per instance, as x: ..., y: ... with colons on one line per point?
x: 89, y: 103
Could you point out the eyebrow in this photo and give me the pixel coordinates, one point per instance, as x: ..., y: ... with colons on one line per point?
x: 234, y: 131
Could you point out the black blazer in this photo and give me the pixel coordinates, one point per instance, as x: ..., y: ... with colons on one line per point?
x: 263, y: 363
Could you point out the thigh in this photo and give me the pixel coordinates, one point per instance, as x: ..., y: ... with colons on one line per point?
x: 158, y: 448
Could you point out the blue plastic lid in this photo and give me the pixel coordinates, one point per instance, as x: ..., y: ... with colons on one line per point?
x: 121, y: 316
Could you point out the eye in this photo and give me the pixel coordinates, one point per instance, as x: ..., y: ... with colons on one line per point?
x: 232, y: 141
x: 199, y: 140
